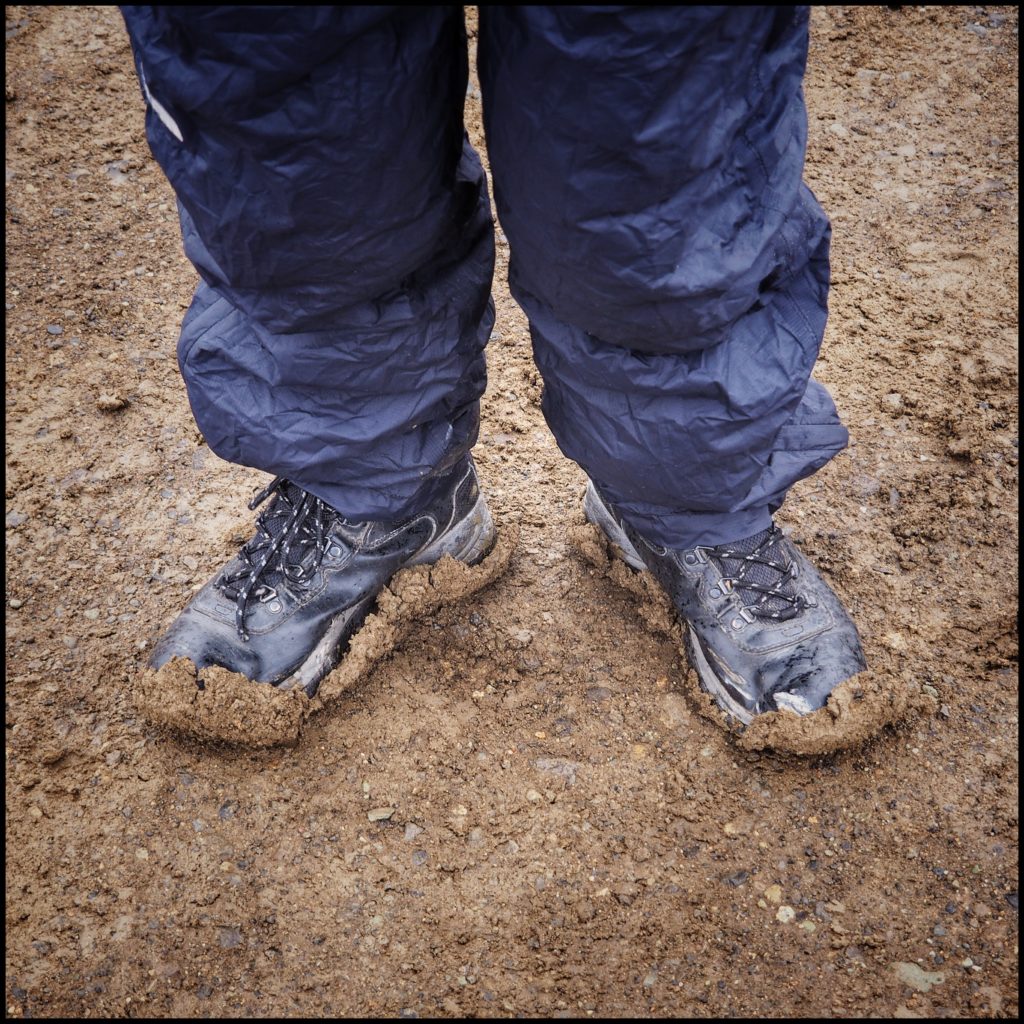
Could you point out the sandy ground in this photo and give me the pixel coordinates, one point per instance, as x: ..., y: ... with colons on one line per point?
x: 517, y: 804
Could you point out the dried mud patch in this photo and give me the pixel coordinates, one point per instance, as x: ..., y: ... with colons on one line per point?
x: 229, y: 708
x: 858, y: 710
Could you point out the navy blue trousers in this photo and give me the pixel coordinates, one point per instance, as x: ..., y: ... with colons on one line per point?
x: 647, y: 166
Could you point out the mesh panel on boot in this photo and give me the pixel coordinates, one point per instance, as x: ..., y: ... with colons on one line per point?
x: 730, y: 559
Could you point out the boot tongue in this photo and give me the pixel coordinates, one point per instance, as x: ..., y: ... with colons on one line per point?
x: 286, y: 551
x: 743, y: 562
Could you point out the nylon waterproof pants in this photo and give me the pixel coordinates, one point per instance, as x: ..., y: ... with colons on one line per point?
x: 647, y: 166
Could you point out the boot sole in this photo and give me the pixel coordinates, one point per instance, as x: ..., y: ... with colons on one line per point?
x: 468, y: 540
x: 711, y: 682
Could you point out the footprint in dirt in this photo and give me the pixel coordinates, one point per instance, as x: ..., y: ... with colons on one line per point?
x: 231, y: 709
x: 858, y: 709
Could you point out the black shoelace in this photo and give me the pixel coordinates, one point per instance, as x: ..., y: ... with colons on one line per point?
x: 290, y: 543
x: 758, y: 568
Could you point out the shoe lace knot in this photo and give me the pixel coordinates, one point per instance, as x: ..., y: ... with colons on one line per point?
x: 290, y: 543
x: 762, y: 574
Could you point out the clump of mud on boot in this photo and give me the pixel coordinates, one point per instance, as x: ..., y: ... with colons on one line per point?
x: 229, y: 707
x: 232, y: 709
x: 857, y: 710
x: 653, y: 604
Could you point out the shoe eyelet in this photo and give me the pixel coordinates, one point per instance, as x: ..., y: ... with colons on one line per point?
x: 690, y: 558
x: 715, y: 592
x: 333, y: 551
x: 737, y: 624
x: 275, y: 606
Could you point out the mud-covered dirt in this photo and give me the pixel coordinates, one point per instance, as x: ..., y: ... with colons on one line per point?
x: 518, y: 803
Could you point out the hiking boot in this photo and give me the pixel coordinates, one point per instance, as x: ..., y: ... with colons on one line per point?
x: 764, y: 632
x: 284, y: 608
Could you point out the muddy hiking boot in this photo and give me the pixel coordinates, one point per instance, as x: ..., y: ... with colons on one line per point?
x: 284, y: 608
x: 763, y: 631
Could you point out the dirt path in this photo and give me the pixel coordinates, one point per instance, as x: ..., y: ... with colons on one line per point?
x: 571, y: 835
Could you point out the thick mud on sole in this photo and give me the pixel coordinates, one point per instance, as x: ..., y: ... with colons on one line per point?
x: 232, y: 709
x: 857, y: 710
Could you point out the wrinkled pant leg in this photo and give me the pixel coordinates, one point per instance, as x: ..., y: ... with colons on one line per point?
x: 340, y: 223
x: 647, y: 166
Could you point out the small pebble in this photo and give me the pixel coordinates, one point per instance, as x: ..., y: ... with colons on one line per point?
x: 785, y: 914
x: 54, y: 329
x: 380, y: 813
x: 111, y: 403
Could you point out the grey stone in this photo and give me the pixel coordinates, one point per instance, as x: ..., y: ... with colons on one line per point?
x: 918, y: 979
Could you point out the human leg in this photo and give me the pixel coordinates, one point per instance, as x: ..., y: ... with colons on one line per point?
x: 340, y: 223
x: 647, y: 169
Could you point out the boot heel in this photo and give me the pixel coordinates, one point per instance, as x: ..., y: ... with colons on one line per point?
x: 469, y: 540
x: 594, y: 510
